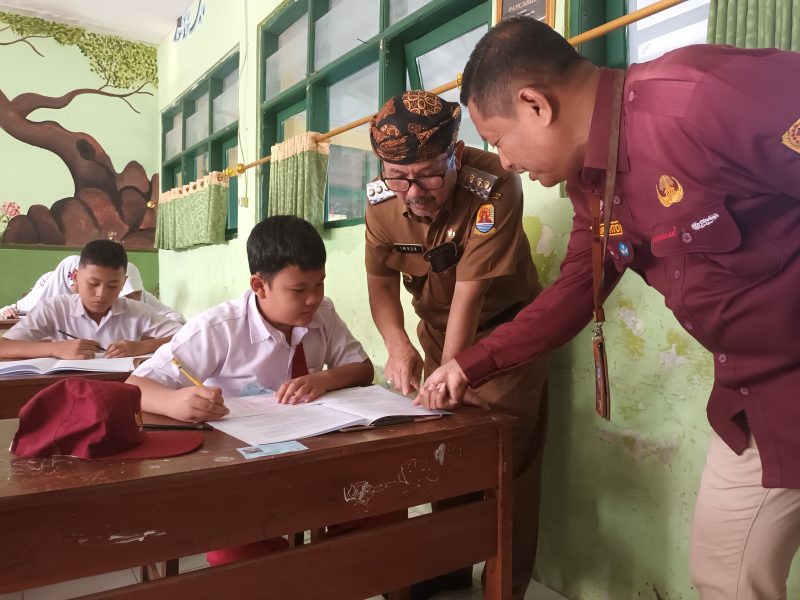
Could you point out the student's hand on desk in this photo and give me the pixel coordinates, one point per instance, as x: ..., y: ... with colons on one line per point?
x: 122, y: 348
x: 75, y: 349
x: 196, y: 404
x: 403, y: 370
x: 9, y: 312
x: 444, y: 389
x: 302, y: 389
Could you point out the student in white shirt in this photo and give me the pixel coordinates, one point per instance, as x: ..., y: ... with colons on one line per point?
x: 244, y: 346
x: 94, y: 320
x: 61, y: 280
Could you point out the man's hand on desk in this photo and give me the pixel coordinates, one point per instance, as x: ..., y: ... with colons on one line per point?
x: 74, y: 349
x: 444, y: 389
x: 195, y: 404
x: 403, y: 370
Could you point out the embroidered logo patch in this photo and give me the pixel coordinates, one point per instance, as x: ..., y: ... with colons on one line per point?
x: 669, y: 191
x: 791, y: 138
x: 705, y: 221
x: 484, y: 221
x: 614, y: 229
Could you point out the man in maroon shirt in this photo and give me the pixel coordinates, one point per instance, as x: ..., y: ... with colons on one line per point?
x: 707, y: 211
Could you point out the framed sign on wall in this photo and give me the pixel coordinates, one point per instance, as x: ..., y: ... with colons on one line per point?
x: 543, y: 10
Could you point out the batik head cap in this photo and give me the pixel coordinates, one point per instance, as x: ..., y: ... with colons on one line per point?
x: 415, y: 127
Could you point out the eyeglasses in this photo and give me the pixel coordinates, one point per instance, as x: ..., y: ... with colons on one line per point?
x: 426, y: 182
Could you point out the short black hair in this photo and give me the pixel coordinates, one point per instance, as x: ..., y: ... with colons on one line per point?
x: 104, y: 253
x: 517, y: 50
x: 282, y: 241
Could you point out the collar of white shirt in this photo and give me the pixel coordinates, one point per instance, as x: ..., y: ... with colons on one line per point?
x: 79, y: 310
x: 261, y: 330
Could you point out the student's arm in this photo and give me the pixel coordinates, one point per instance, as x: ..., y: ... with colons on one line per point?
x: 70, y: 349
x: 404, y: 365
x: 194, y: 403
x: 312, y: 386
x: 122, y: 348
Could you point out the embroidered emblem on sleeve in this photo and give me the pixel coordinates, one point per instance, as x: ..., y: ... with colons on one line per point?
x: 791, y: 137
x: 484, y: 221
x: 669, y: 191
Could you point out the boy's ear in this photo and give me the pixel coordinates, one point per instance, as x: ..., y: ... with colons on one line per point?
x: 258, y: 285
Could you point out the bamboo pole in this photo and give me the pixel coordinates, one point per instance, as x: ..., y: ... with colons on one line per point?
x: 592, y: 34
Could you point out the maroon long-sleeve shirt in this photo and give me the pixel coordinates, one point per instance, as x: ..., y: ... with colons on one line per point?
x: 707, y: 202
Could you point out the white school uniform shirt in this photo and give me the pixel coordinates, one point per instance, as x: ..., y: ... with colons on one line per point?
x: 231, y: 346
x: 125, y: 320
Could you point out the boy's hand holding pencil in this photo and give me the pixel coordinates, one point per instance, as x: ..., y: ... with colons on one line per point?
x: 75, y: 349
x: 198, y: 402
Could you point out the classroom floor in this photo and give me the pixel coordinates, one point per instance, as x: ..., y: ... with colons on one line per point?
x: 109, y: 581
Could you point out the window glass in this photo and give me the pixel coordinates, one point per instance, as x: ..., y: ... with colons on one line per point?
x: 197, y: 123
x: 352, y: 163
x: 200, y: 164
x: 681, y: 25
x: 226, y: 105
x: 293, y: 125
x: 346, y: 25
x: 441, y: 65
x: 172, y: 138
x: 287, y: 65
x: 400, y: 9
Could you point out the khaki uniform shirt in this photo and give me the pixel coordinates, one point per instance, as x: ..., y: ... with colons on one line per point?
x: 487, y: 230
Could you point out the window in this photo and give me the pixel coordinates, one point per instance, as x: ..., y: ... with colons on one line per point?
x: 347, y: 58
x: 200, y: 133
x: 609, y: 50
x: 675, y: 27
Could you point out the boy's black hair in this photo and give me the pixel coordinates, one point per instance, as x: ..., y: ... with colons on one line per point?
x: 282, y: 241
x: 104, y: 253
x: 516, y: 51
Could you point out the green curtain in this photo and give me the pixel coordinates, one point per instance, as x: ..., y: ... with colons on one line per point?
x: 194, y: 214
x: 755, y: 23
x: 298, y: 173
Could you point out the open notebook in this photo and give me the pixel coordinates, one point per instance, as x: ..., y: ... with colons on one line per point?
x: 261, y: 420
x: 42, y: 366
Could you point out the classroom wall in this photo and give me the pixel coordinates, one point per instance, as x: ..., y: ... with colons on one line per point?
x: 618, y: 496
x: 23, y: 266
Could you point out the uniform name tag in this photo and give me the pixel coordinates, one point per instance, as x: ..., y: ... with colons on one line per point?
x: 409, y: 248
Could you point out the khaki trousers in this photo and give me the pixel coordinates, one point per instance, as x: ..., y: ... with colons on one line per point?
x: 522, y: 393
x: 744, y: 536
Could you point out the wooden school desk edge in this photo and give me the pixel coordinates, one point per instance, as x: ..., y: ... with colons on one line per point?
x: 434, y: 460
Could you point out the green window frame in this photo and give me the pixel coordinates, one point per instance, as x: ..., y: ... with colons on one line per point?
x: 180, y: 167
x: 610, y: 50
x: 387, y: 48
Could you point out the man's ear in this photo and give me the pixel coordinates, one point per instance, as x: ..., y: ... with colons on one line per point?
x: 536, y: 104
x: 458, y: 151
x: 258, y: 285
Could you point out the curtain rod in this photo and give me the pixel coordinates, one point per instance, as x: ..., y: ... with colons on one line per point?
x: 597, y: 32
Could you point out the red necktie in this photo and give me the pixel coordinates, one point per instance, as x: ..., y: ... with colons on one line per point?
x: 299, y: 365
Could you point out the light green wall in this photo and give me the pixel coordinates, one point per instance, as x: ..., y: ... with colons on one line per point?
x: 22, y: 267
x: 618, y: 497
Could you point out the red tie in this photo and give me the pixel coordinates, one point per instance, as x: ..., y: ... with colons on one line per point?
x: 299, y: 365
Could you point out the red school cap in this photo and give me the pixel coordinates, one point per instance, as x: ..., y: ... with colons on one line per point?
x: 96, y: 420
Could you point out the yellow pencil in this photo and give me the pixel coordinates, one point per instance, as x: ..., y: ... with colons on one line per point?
x: 189, y: 376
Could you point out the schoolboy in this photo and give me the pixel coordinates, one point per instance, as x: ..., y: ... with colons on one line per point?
x: 96, y: 319
x: 278, y: 336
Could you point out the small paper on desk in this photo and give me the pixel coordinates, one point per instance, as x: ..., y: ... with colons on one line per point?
x: 261, y: 420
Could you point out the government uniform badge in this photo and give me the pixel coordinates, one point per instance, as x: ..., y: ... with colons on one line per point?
x: 669, y: 191
x: 791, y: 137
x: 484, y: 220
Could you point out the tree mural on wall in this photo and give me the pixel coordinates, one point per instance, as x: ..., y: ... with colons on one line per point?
x: 105, y: 203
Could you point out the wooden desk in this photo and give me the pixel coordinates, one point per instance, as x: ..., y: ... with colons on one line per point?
x: 16, y: 390
x: 6, y: 324
x: 64, y: 518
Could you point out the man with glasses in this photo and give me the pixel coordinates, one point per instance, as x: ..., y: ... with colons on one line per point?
x: 447, y: 220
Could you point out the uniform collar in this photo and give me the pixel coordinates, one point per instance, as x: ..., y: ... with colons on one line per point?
x: 77, y: 309
x: 596, y: 158
x: 261, y: 330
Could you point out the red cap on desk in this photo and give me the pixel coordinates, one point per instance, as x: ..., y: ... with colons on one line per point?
x: 93, y: 419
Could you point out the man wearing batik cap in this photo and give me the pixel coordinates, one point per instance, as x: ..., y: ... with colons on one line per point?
x: 447, y: 220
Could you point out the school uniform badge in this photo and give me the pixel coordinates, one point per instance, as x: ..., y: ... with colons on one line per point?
x: 669, y: 191
x: 791, y: 137
x: 484, y: 220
